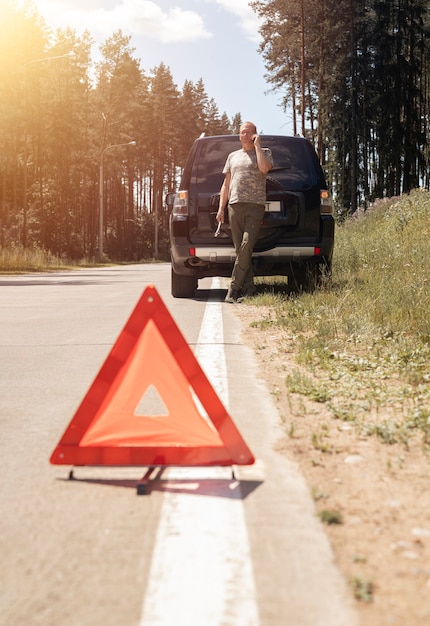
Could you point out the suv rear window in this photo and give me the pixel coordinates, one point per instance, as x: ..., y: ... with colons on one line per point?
x: 213, y: 156
x: 291, y: 162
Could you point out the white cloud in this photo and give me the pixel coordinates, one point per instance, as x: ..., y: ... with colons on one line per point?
x: 248, y: 19
x: 139, y: 17
x: 175, y: 25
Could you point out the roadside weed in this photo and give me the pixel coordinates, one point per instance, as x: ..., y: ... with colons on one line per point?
x: 330, y: 517
x: 297, y: 382
x: 318, y: 495
x: 362, y: 589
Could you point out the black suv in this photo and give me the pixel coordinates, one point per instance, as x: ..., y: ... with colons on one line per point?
x: 297, y: 234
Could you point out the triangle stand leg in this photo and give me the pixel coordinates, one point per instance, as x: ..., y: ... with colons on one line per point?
x: 142, y: 486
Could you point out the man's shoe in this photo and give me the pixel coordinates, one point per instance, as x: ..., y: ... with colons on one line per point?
x: 233, y: 295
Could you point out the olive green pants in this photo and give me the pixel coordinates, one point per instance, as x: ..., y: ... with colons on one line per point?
x: 245, y: 222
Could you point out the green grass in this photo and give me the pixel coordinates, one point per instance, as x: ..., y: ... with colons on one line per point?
x: 365, y: 338
x: 300, y: 383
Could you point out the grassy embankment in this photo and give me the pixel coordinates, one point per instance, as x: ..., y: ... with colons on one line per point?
x: 18, y: 260
x: 364, y: 340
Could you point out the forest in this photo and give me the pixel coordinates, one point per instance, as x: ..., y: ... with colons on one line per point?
x: 72, y: 130
x: 357, y: 74
x: 88, y: 150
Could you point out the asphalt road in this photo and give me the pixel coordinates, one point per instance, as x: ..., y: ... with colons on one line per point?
x: 203, y: 546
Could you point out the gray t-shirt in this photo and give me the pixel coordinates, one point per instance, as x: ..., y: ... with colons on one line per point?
x: 247, y: 183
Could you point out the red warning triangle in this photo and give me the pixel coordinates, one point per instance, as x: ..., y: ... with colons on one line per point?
x: 151, y: 403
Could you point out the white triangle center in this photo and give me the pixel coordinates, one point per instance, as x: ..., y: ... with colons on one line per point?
x: 151, y: 404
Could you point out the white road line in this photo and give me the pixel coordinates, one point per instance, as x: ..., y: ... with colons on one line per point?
x: 201, y: 570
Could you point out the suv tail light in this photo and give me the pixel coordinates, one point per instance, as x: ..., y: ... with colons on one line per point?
x: 180, y: 204
x: 326, y: 203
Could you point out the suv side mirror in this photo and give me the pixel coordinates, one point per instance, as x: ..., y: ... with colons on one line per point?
x: 170, y: 199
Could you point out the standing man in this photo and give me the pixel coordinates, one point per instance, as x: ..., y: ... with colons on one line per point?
x: 244, y: 190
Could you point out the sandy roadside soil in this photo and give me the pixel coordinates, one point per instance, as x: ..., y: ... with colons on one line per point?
x: 377, y: 493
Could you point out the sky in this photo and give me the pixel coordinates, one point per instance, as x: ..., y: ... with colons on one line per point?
x: 213, y: 40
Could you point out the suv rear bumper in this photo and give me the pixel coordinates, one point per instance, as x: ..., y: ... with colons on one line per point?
x: 218, y: 261
x: 200, y: 261
x: 221, y: 254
